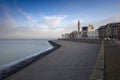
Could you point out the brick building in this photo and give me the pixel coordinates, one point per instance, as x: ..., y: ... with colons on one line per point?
x: 74, y: 35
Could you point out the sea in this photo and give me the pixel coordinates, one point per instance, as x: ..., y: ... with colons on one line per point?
x: 13, y: 51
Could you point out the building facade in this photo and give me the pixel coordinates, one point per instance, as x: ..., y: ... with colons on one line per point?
x: 74, y: 35
x: 101, y: 32
x: 88, y: 32
x: 109, y: 31
x: 84, y: 32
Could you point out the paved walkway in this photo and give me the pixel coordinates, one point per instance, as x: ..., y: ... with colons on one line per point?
x: 117, y: 42
x: 112, y: 61
x: 72, y: 61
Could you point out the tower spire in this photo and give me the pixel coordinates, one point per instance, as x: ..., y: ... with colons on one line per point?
x: 78, y: 29
x: 78, y: 26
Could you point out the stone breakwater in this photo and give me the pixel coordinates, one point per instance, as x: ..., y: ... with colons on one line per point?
x: 16, y: 67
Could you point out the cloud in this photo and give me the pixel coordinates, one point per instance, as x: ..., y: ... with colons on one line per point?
x: 37, y: 31
x: 27, y: 16
x: 72, y: 26
x: 8, y: 27
x: 7, y: 23
x: 12, y: 29
x: 107, y: 20
x: 53, y: 21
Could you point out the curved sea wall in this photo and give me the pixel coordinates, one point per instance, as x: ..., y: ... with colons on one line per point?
x: 16, y: 67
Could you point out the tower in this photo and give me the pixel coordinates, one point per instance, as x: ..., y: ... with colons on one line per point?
x: 78, y: 26
x: 78, y: 29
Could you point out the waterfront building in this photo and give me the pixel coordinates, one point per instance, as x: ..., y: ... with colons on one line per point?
x: 63, y: 36
x: 102, y: 32
x: 67, y: 36
x: 117, y: 31
x: 91, y: 28
x: 91, y: 35
x: 84, y: 32
x: 109, y: 31
x: 88, y: 32
x: 74, y: 35
x: 96, y: 34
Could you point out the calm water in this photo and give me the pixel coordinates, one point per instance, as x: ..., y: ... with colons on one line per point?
x: 13, y: 51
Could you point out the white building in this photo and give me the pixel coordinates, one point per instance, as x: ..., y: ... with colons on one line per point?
x: 89, y: 32
x: 63, y: 36
x: 96, y: 33
x: 67, y: 36
x: 91, y: 35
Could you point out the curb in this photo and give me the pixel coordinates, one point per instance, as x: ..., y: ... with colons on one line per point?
x: 98, y: 70
x: 84, y: 41
x: 16, y: 67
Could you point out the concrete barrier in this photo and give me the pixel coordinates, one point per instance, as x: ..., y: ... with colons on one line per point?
x: 98, y: 71
x: 16, y: 67
x: 93, y: 41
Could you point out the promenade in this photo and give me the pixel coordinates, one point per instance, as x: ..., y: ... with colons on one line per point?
x: 72, y: 61
x: 112, y: 60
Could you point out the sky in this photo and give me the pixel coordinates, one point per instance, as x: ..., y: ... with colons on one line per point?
x: 51, y: 18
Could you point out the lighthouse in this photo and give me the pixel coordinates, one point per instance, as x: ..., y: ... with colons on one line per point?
x: 78, y: 29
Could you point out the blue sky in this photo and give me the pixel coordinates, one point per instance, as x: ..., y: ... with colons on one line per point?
x: 51, y: 18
